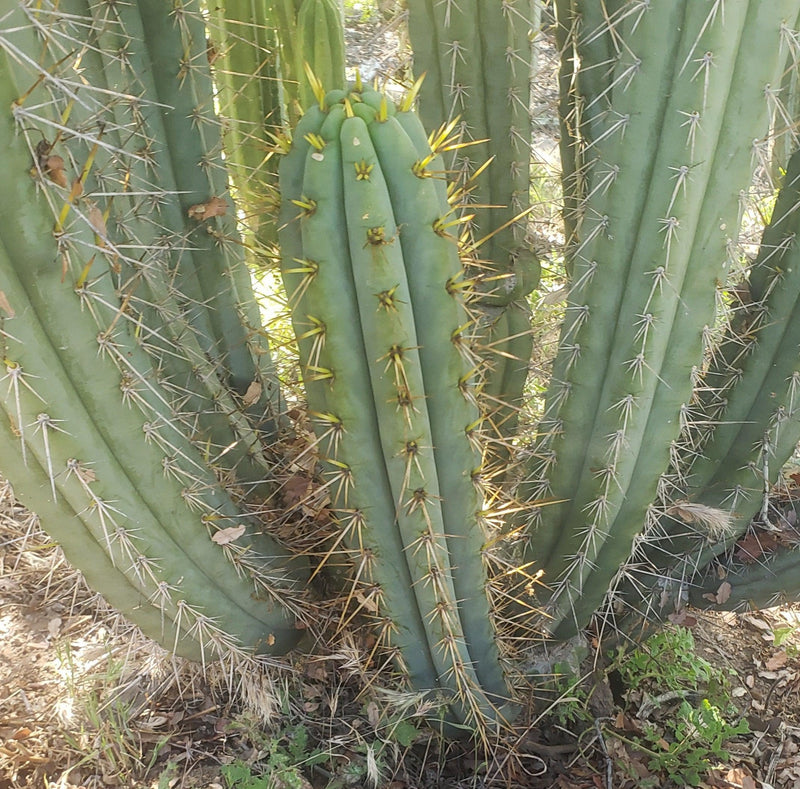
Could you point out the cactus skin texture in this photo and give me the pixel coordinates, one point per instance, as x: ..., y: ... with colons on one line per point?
x: 372, y: 276
x: 663, y: 164
x: 476, y: 60
x: 124, y: 397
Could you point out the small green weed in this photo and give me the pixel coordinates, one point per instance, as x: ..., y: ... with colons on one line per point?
x: 288, y: 753
x: 689, y: 743
x: 668, y: 660
x: 683, y: 744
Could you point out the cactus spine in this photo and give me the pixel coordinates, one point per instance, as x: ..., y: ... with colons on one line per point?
x: 373, y: 276
x: 125, y: 328
x: 651, y: 246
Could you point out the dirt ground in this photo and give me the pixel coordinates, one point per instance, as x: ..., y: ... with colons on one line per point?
x: 86, y: 702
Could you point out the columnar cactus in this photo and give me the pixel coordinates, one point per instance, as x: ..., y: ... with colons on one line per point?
x: 311, y: 36
x: 476, y: 60
x: 374, y: 277
x: 140, y: 408
x: 132, y: 353
x: 749, y: 395
x: 662, y: 165
x: 243, y: 50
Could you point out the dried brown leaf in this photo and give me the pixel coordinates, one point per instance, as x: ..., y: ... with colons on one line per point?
x: 778, y: 660
x: 214, y: 206
x: 53, y: 167
x: 253, y: 393
x: 722, y: 594
x: 683, y: 618
x: 295, y: 489
x: 225, y: 536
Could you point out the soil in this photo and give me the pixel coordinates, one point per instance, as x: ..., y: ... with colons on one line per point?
x: 86, y: 702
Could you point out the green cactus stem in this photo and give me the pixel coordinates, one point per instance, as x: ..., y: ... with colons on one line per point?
x: 750, y: 396
x: 388, y: 370
x: 311, y: 37
x: 652, y: 243
x: 244, y: 55
x: 476, y: 58
x: 104, y: 357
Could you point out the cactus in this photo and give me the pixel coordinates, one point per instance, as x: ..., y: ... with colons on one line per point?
x: 663, y: 166
x: 131, y: 348
x: 244, y: 55
x: 476, y: 61
x: 749, y: 394
x: 140, y: 404
x: 372, y: 275
x: 311, y: 36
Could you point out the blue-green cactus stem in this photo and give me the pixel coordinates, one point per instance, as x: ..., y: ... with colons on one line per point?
x: 245, y: 69
x: 431, y: 262
x: 149, y: 252
x: 392, y: 374
x: 624, y: 371
x: 344, y: 415
x: 95, y: 433
x: 757, y: 430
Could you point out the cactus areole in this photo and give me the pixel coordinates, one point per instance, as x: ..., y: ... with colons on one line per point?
x: 374, y: 278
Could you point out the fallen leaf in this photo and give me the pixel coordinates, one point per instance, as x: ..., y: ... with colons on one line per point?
x: 754, y: 545
x: 295, y: 489
x: 683, y: 618
x: 738, y: 777
x: 759, y: 624
x: 212, y: 207
x: 722, y: 594
x: 225, y: 536
x: 367, y: 602
x: 373, y: 714
x: 54, y: 626
x: 778, y: 660
x: 317, y: 671
x: 154, y: 722
x: 252, y: 394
